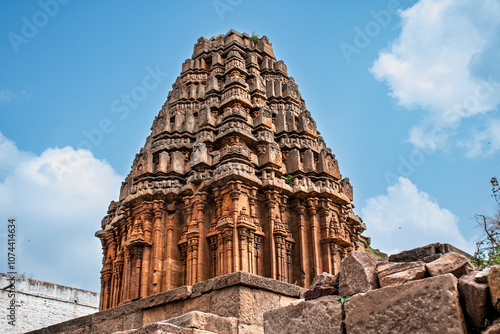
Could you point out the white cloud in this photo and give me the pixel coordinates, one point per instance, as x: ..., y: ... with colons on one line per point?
x: 6, y: 96
x: 406, y: 218
x: 484, y: 142
x: 444, y: 62
x: 58, y: 199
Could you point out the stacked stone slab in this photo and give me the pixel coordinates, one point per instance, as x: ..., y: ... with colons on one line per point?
x: 441, y: 296
x: 234, y: 176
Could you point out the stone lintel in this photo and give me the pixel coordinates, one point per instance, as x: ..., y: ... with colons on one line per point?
x: 249, y: 280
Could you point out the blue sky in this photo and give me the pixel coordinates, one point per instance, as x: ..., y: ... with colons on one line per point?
x: 405, y: 93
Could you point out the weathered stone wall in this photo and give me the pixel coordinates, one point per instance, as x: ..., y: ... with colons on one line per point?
x: 40, y: 304
x: 238, y: 297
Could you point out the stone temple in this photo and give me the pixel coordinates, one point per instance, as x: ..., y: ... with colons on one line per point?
x: 234, y: 176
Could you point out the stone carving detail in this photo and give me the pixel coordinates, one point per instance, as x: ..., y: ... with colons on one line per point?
x: 234, y: 176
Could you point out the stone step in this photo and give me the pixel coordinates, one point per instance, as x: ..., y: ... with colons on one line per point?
x: 205, y: 321
x: 165, y: 328
x: 196, y: 322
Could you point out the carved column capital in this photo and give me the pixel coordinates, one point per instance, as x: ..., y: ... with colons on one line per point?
x: 188, y: 202
x: 253, y: 192
x: 235, y: 194
x: 235, y: 185
x: 283, y: 200
x: 271, y: 197
x: 148, y: 224
x: 158, y: 207
x: 201, y: 198
x: 170, y: 222
x: 148, y: 205
x: 147, y: 214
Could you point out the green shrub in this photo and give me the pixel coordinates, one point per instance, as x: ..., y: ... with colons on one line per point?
x: 290, y: 180
x: 254, y: 38
x: 375, y: 252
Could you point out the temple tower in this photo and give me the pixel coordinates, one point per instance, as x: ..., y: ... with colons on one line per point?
x: 234, y: 176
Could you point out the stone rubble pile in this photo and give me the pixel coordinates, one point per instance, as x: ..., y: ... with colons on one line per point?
x: 431, y: 289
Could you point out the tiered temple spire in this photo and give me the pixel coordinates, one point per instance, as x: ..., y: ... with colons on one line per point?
x: 234, y: 176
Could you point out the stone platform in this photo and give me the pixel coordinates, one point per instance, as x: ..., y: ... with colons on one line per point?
x: 240, y: 297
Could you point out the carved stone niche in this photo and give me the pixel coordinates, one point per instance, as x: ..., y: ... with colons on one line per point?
x: 212, y: 85
x: 280, y: 122
x: 206, y: 117
x: 199, y: 155
x: 178, y: 162
x: 264, y: 118
x: 308, y: 161
x: 190, y: 122
x: 163, y: 161
x: 327, y: 164
x: 293, y: 162
x: 272, y: 155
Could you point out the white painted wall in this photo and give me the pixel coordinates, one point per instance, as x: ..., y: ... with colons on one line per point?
x: 40, y: 304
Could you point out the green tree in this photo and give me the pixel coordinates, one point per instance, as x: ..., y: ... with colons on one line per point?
x: 488, y: 248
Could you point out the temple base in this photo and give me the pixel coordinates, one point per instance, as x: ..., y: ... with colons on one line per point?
x: 241, y: 298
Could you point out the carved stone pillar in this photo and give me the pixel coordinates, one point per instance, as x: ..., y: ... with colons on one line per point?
x: 169, y: 245
x: 213, y: 256
x: 258, y: 255
x: 228, y: 238
x: 312, y: 205
x: 271, y: 196
x: 184, y: 256
x: 106, y: 279
x: 111, y: 240
x: 103, y: 282
x: 193, y: 258
x: 146, y: 254
x: 218, y: 204
x: 280, y: 245
x: 215, y: 238
x: 250, y: 252
x: 190, y: 231
x: 289, y: 247
x: 137, y: 276
x: 283, y: 206
x: 336, y: 258
x: 324, y: 215
x: 117, y: 273
x: 243, y: 243
x: 157, y: 253
x: 221, y: 255
x: 235, y: 197
x: 305, y: 275
x: 252, y: 198
x: 201, y: 198
x: 128, y: 274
